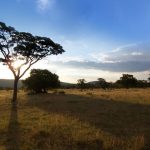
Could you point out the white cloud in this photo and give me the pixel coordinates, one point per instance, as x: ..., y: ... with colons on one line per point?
x: 102, y: 57
x: 44, y: 4
x: 136, y: 53
x: 64, y: 59
x: 73, y: 74
x: 133, y: 53
x: 123, y: 47
x: 128, y: 60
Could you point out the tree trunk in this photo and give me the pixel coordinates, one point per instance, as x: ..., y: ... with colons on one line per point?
x: 15, y: 90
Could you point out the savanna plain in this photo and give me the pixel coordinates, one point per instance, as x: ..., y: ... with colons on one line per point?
x: 71, y: 119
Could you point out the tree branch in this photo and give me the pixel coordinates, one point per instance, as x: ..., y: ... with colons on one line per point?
x: 30, y: 64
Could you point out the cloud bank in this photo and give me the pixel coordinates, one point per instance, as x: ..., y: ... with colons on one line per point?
x: 134, y: 58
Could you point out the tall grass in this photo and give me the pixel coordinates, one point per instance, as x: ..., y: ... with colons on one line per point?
x: 75, y: 120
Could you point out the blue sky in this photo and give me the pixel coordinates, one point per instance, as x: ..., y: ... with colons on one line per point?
x: 102, y: 38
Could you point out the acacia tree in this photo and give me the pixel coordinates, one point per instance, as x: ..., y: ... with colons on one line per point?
x: 20, y: 50
x: 81, y: 83
x: 102, y: 83
x: 128, y: 81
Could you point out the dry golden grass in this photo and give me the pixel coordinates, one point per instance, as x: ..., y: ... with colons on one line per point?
x: 88, y: 120
x: 141, y: 96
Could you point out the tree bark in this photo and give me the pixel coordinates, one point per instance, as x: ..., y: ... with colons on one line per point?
x: 15, y: 90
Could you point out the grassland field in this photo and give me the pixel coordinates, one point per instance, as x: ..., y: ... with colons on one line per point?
x: 71, y: 119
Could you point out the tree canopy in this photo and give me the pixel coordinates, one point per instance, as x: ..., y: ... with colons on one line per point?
x: 41, y: 80
x: 102, y: 83
x: 128, y: 81
x: 23, y: 49
x: 81, y: 83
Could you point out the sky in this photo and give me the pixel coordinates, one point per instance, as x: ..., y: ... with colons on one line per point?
x: 102, y: 38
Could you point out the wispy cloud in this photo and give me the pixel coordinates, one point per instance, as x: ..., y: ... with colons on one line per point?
x: 65, y: 59
x: 136, y: 53
x: 124, y: 47
x: 133, y: 53
x: 44, y: 4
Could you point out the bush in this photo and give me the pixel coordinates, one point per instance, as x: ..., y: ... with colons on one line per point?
x: 41, y: 80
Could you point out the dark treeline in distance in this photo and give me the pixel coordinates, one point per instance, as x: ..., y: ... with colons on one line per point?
x: 126, y: 81
x: 40, y: 81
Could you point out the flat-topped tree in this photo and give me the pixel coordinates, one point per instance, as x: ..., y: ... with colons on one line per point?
x: 20, y: 50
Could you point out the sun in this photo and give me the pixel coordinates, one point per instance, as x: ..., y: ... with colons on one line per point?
x: 5, y: 72
x: 17, y: 63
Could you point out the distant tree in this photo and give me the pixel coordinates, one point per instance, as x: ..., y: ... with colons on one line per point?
x: 81, y: 83
x: 127, y: 81
x: 102, y: 83
x: 149, y: 81
x: 149, y: 78
x: 20, y: 50
x: 41, y: 80
x: 142, y: 83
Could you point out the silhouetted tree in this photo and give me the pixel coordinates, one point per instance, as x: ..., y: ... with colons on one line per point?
x: 41, y: 80
x: 149, y: 78
x: 20, y: 50
x: 81, y: 83
x: 142, y: 83
x: 127, y: 81
x: 148, y: 81
x: 102, y: 83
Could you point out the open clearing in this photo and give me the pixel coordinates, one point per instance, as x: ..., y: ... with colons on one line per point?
x: 88, y: 120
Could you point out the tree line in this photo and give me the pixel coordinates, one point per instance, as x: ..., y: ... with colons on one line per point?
x: 125, y: 81
x: 40, y: 81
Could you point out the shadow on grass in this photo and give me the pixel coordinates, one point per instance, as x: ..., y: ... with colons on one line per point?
x: 47, y: 141
x: 121, y: 119
x: 13, y: 135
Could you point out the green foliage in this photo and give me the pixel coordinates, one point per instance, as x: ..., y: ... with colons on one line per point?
x: 41, y: 80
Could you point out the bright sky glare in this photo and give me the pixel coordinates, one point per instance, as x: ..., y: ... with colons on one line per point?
x: 102, y: 38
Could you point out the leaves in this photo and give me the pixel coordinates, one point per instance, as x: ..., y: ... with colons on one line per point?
x: 15, y: 45
x: 41, y: 80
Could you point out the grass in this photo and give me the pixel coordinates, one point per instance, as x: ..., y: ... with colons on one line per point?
x: 75, y: 120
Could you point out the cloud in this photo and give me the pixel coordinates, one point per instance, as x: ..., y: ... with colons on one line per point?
x: 44, y: 4
x: 134, y: 58
x: 134, y: 53
x: 65, y: 59
x: 124, y: 46
x: 133, y: 66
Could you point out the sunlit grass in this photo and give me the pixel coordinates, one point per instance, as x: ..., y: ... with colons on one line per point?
x: 141, y: 96
x: 92, y: 119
